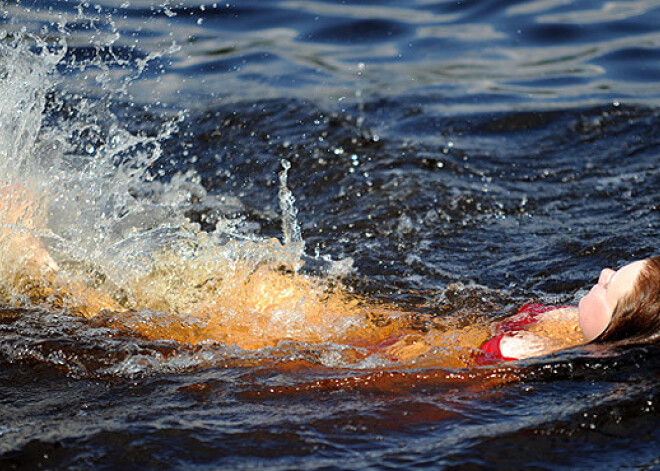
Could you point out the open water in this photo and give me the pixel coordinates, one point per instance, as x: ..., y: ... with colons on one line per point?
x: 447, y: 159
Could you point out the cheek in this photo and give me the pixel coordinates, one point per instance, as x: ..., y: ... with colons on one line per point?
x: 594, y: 315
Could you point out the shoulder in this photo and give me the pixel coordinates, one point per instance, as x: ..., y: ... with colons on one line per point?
x: 561, y: 313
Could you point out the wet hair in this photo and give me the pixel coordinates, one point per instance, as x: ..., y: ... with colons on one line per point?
x: 636, y: 317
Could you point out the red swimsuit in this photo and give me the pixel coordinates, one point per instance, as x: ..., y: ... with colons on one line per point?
x: 528, y: 314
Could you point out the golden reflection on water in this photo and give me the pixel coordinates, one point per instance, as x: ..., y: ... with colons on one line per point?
x: 213, y: 296
x: 248, y: 307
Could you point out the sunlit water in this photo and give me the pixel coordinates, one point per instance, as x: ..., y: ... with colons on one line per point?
x: 255, y: 209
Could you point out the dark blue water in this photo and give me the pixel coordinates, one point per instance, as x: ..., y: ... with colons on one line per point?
x: 469, y: 156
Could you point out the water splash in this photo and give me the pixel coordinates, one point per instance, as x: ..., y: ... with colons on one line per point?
x: 97, y: 232
x: 22, y: 101
x: 90, y: 229
x: 290, y: 228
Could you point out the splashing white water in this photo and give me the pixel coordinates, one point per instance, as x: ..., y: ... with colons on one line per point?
x: 82, y: 190
x: 25, y: 76
x: 290, y: 228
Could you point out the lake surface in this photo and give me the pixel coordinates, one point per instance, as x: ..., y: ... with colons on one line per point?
x: 447, y: 160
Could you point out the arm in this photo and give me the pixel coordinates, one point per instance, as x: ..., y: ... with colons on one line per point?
x: 526, y: 344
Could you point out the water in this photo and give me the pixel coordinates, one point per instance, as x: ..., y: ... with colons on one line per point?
x: 254, y: 179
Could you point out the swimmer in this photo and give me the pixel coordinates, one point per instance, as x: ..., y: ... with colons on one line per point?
x: 623, y: 307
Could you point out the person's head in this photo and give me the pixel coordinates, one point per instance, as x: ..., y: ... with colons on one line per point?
x: 624, y: 306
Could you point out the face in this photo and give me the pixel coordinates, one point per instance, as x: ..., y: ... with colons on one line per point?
x: 596, y: 308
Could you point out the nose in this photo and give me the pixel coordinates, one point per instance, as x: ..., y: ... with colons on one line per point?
x: 605, y: 276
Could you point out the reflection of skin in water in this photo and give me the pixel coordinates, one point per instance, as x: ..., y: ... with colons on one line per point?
x: 251, y: 307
